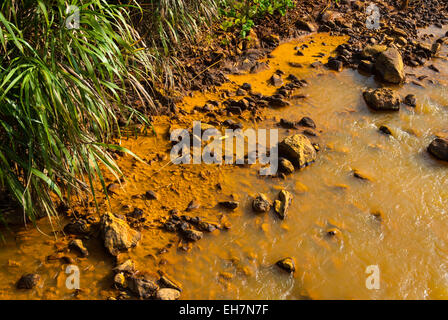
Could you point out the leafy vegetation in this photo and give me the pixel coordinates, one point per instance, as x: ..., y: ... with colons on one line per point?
x: 62, y: 89
x: 241, y: 14
x: 60, y: 92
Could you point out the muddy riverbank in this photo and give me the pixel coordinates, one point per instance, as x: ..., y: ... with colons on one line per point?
x: 180, y: 235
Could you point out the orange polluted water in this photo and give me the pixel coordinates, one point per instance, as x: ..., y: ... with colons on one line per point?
x: 337, y: 225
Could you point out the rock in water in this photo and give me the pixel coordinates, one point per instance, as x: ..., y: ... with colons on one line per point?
x: 385, y: 130
x: 382, y: 99
x: 281, y: 206
x: 276, y: 80
x: 335, y: 65
x: 117, y: 235
x: 287, y: 264
x: 167, y: 294
x: 192, y: 235
x: 298, y: 149
x: 79, y: 227
x: 126, y: 267
x: 389, y: 65
x: 28, y: 281
x: 119, y: 281
x: 362, y: 176
x: 439, y: 149
x: 285, y: 166
x: 232, y: 205
x: 142, y: 288
x: 410, y: 100
x: 307, y: 122
x: 78, y: 246
x: 261, y: 204
x: 166, y: 282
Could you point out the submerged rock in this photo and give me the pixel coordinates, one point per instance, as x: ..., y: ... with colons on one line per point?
x: 410, y: 100
x: 126, y: 267
x: 287, y: 264
x: 385, y: 130
x: 333, y: 232
x: 382, y: 99
x: 281, y: 206
x: 360, y: 175
x: 229, y: 204
x: 261, y: 204
x: 390, y: 67
x: 28, y: 281
x: 439, y: 148
x: 78, y: 246
x: 298, y: 149
x: 117, y: 235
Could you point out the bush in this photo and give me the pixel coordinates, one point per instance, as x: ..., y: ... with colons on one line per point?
x: 241, y: 14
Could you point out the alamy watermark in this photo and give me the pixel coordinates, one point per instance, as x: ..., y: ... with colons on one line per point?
x: 72, y: 21
x: 373, y: 280
x: 373, y: 17
x: 212, y: 153
x: 72, y: 281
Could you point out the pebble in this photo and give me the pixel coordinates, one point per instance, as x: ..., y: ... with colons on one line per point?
x: 261, y: 204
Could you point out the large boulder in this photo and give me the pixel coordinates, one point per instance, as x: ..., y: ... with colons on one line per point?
x: 382, y: 99
x: 298, y: 149
x: 439, y: 148
x: 117, y: 235
x: 389, y: 66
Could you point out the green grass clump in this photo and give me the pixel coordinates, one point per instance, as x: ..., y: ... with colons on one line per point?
x: 241, y: 14
x: 60, y: 94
